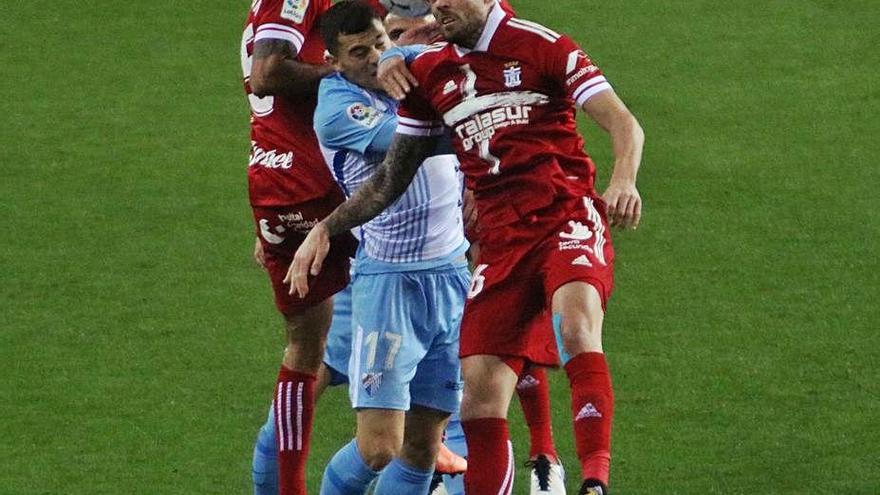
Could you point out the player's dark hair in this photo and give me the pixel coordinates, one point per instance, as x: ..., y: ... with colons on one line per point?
x: 346, y: 17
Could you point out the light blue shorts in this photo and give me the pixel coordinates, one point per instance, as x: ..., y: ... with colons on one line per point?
x: 338, y: 349
x: 405, y: 347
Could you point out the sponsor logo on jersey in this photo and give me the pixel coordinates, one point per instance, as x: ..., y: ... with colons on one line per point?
x: 581, y: 73
x: 270, y: 158
x: 482, y: 126
x: 296, y: 221
x: 512, y: 74
x: 294, y: 10
x: 364, y: 115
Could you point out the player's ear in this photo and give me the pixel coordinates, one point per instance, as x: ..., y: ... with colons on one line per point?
x: 329, y: 59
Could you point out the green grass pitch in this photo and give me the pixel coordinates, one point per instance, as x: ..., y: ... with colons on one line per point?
x: 139, y: 343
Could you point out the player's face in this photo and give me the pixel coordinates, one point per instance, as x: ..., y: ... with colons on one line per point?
x: 358, y: 55
x: 462, y: 21
x: 396, y: 25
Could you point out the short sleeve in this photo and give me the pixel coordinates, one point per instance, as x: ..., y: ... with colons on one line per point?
x: 346, y: 120
x: 416, y: 116
x: 576, y: 72
x: 288, y: 20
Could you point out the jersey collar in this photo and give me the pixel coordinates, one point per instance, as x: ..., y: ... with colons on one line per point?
x: 496, y: 15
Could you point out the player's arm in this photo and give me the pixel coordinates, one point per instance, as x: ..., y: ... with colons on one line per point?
x: 627, y: 139
x: 276, y: 71
x: 587, y: 86
x: 387, y: 183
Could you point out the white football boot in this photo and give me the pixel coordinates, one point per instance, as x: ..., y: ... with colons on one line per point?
x: 547, y: 478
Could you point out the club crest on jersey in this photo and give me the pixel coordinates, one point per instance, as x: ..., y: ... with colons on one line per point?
x: 512, y: 74
x: 371, y: 382
x: 364, y: 115
x: 294, y: 10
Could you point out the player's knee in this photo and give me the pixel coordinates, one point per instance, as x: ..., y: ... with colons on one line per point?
x: 581, y: 331
x: 377, y: 452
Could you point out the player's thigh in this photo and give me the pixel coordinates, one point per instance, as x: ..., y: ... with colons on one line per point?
x: 488, y: 386
x: 385, y: 348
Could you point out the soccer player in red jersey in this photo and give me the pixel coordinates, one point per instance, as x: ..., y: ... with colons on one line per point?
x: 507, y: 90
x: 290, y: 190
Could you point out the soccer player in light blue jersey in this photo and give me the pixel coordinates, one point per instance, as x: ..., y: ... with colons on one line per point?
x: 411, y: 277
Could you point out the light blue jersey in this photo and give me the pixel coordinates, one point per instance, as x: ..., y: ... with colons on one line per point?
x: 411, y: 277
x: 424, y: 226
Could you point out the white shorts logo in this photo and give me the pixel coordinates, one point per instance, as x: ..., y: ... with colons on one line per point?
x: 267, y: 233
x: 579, y: 232
x: 294, y: 10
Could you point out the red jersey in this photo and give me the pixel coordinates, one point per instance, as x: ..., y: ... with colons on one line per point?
x: 509, y: 104
x: 286, y: 166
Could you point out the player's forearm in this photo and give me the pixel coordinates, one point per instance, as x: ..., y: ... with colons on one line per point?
x: 628, y: 140
x: 276, y: 72
x: 387, y: 183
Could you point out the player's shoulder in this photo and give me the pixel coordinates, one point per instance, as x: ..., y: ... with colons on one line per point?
x: 289, y: 11
x: 431, y: 55
x: 335, y: 94
x: 530, y: 33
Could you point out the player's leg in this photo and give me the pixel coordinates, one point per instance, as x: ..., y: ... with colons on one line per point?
x: 547, y: 476
x: 488, y: 387
x: 378, y: 439
x: 295, y: 392
x: 534, y: 397
x: 264, y: 470
x: 411, y: 471
x: 582, y: 314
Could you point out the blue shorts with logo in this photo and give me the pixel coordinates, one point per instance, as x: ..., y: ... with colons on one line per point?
x: 338, y: 348
x: 405, y: 347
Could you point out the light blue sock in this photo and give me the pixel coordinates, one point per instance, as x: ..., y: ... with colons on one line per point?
x: 265, y: 465
x: 398, y: 478
x: 347, y: 473
x: 557, y: 330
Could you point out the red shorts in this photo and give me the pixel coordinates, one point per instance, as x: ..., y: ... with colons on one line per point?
x: 281, y: 231
x: 508, y: 312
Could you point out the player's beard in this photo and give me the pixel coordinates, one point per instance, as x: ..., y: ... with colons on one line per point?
x: 464, y: 32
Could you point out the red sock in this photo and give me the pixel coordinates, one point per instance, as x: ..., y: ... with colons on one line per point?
x: 534, y: 397
x: 490, y: 457
x: 592, y: 406
x: 294, y: 408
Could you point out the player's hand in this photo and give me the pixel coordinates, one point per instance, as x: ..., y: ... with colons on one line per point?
x: 422, y: 35
x: 395, y: 77
x: 259, y: 255
x: 308, y: 260
x: 624, y: 204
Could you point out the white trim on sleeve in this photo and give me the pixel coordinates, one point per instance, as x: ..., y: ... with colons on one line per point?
x: 589, y: 89
x: 280, y: 32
